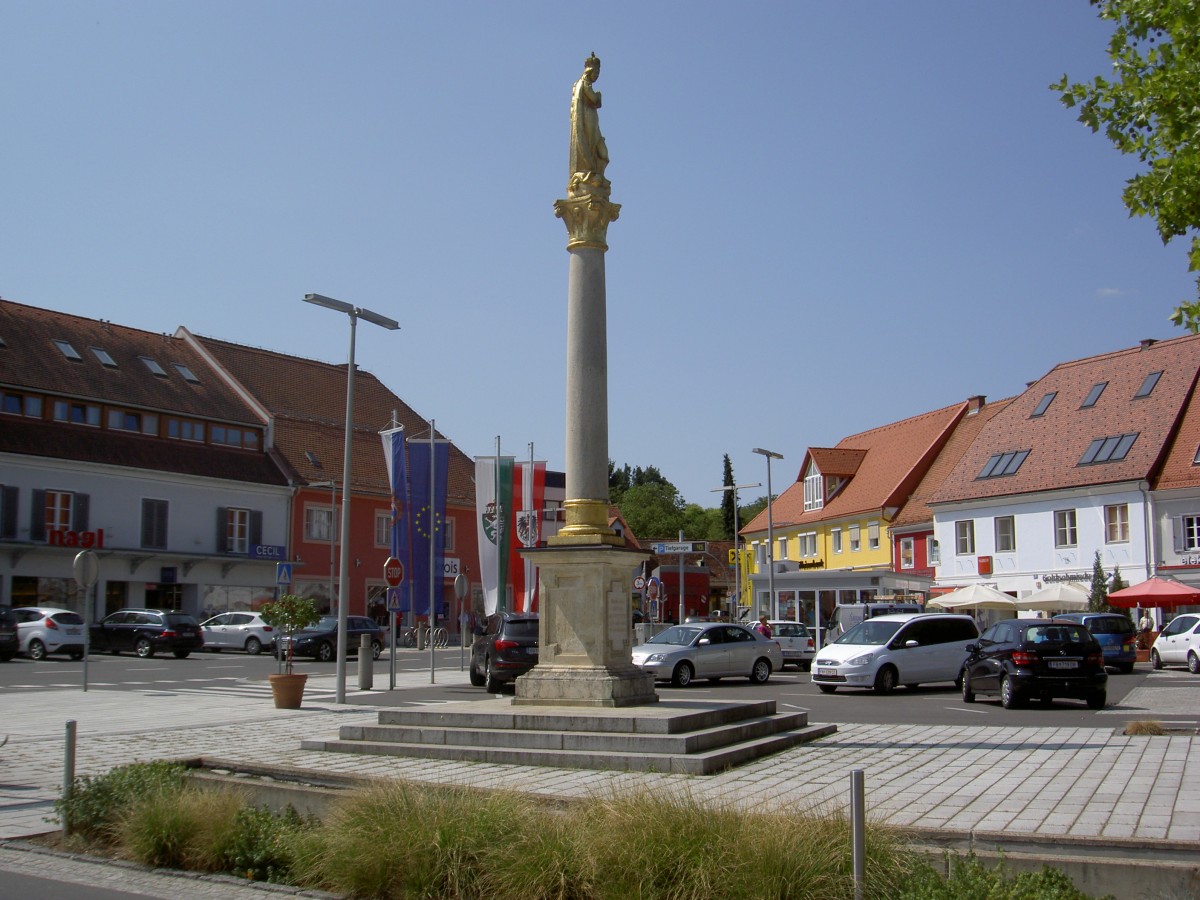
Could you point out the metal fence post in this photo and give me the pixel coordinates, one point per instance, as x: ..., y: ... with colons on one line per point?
x: 858, y: 830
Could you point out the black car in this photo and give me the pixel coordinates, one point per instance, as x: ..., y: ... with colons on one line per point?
x: 1024, y: 658
x: 8, y: 634
x: 504, y: 649
x: 146, y: 632
x: 320, y: 641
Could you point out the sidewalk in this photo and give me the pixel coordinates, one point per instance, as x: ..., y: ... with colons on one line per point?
x: 1049, y: 784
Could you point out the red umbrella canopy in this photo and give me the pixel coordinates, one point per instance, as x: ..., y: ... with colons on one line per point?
x: 1156, y: 592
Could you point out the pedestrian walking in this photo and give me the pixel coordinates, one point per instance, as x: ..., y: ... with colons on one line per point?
x: 1145, y: 624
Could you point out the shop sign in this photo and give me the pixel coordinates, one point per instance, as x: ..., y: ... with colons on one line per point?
x: 86, y: 540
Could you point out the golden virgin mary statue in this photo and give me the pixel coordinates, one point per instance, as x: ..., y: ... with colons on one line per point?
x: 589, y: 154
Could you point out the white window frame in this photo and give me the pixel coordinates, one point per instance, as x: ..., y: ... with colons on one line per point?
x: 908, y: 553
x: 808, y: 544
x: 835, y: 539
x: 872, y: 535
x: 383, y: 528
x: 1066, y: 528
x: 320, y: 523
x: 933, y: 551
x: 814, y: 497
x: 1005, y: 534
x: 781, y: 548
x: 1189, y: 533
x: 1116, y: 523
x: 237, y: 530
x: 855, y: 538
x: 964, y: 537
x: 59, y: 506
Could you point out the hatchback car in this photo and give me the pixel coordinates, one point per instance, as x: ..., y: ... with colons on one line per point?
x: 906, y: 648
x: 1178, y: 644
x: 147, y: 631
x: 711, y: 650
x: 320, y: 641
x: 43, y: 630
x: 503, y: 650
x: 237, y: 631
x: 1023, y: 658
x: 796, y: 642
x: 8, y: 634
x: 1114, y: 632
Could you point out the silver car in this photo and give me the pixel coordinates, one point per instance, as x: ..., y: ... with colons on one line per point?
x: 238, y: 631
x: 711, y: 650
x: 42, y: 630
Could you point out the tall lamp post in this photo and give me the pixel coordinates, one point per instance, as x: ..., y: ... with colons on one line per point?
x: 355, y: 313
x: 770, y: 455
x: 737, y: 568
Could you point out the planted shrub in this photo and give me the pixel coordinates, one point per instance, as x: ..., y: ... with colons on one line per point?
x: 96, y: 803
x: 969, y: 878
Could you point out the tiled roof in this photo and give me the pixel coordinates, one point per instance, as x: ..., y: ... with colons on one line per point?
x: 308, y: 402
x: 1180, y: 469
x: 54, y: 440
x: 1058, y: 439
x: 839, y: 461
x: 916, y: 511
x: 893, y: 459
x: 30, y: 360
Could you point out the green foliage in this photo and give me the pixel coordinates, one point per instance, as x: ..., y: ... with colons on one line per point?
x: 289, y: 613
x: 700, y: 524
x: 728, y: 502
x: 750, y: 510
x: 96, y: 804
x: 970, y: 879
x: 1151, y: 109
x: 652, y: 510
x: 1098, y: 598
x: 261, y: 845
x: 179, y: 829
x: 1118, y: 583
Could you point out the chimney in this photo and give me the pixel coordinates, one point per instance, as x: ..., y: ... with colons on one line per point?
x: 1147, y: 343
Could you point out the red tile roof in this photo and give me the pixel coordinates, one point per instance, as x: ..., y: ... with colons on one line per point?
x: 308, y: 402
x: 891, y: 460
x: 1058, y: 439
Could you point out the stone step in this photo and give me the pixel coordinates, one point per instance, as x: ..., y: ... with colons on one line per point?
x: 463, y: 734
x: 704, y: 762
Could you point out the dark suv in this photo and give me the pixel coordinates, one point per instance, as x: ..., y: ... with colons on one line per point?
x: 1023, y: 658
x: 8, y: 634
x: 147, y: 631
x: 503, y: 650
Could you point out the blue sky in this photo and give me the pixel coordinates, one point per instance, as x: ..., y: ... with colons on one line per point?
x: 834, y: 215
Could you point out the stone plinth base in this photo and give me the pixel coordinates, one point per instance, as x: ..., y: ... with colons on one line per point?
x: 585, y: 630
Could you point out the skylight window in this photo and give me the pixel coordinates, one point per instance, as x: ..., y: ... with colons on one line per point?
x: 1007, y: 463
x: 102, y: 355
x: 312, y: 458
x: 1148, y: 385
x: 1043, y: 405
x: 1109, y: 449
x: 153, y: 366
x: 188, y: 374
x: 1094, y: 395
x: 68, y: 351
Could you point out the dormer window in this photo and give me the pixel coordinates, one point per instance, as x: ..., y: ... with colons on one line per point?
x: 102, y: 355
x: 1093, y: 395
x: 153, y: 366
x: 814, y: 497
x: 68, y: 351
x: 1148, y: 385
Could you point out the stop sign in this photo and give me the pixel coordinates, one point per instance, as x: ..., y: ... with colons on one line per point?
x: 393, y: 572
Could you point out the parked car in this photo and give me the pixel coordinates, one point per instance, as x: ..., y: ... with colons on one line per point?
x: 711, y: 650
x: 1023, y: 658
x: 43, y: 630
x: 146, y: 632
x: 8, y: 634
x: 320, y: 641
x: 1114, y: 632
x: 237, y: 631
x: 1178, y: 644
x: 796, y: 642
x: 504, y: 649
x: 905, y: 648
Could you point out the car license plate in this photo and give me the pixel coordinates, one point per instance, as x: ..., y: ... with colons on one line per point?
x: 532, y: 651
x: 828, y: 672
x: 74, y: 632
x: 1063, y: 664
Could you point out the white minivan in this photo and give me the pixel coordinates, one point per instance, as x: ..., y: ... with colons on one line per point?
x: 908, y: 649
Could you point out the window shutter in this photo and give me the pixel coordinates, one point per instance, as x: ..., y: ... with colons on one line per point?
x: 79, y: 512
x: 8, y: 512
x: 222, y: 536
x: 37, y: 517
x: 256, y: 517
x: 1177, y: 533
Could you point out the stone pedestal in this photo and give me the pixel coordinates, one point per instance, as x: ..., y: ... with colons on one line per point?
x: 585, y: 630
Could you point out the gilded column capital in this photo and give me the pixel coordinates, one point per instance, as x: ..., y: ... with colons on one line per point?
x: 587, y: 217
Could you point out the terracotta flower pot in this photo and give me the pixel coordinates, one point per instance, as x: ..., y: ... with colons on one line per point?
x: 288, y: 689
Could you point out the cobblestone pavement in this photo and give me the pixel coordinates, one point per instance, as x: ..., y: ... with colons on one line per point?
x: 1045, y: 782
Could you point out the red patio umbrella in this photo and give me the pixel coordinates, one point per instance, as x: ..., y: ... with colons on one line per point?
x: 1156, y: 592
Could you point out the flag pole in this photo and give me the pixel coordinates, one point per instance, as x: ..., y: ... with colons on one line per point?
x: 432, y: 539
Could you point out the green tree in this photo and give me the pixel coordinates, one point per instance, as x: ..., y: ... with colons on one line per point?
x: 700, y: 524
x: 728, y: 501
x: 1098, y: 598
x: 1117, y: 584
x: 652, y: 510
x: 1151, y: 109
x: 750, y: 510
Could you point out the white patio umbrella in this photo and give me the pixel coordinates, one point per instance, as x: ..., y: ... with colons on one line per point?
x: 974, y: 596
x: 1061, y: 596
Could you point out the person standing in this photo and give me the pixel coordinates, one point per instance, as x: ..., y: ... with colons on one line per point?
x: 1145, y: 625
x: 763, y: 627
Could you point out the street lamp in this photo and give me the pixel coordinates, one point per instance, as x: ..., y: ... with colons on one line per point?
x: 770, y: 455
x: 355, y: 313
x: 737, y: 569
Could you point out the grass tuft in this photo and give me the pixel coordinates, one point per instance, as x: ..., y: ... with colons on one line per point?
x: 1145, y: 728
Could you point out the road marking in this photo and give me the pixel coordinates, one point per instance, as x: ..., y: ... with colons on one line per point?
x: 978, y: 712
